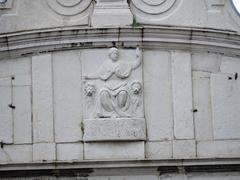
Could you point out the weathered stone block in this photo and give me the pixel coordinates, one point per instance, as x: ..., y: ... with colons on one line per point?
x: 6, y: 119
x: 44, y: 152
x: 6, y: 81
x: 22, y: 80
x: 15, y: 66
x: 69, y: 151
x: 206, y: 62
x: 226, y: 106
x: 42, y: 98
x: 158, y: 95
x: 16, y: 153
x: 230, y: 65
x: 22, y: 114
x: 19, y: 68
x: 218, y: 149
x: 202, y: 105
x: 67, y: 96
x: 184, y: 149
x: 119, y: 129
x: 116, y: 150
x: 159, y: 150
x: 182, y: 95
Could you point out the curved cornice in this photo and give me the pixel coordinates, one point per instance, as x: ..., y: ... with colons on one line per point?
x: 170, y: 38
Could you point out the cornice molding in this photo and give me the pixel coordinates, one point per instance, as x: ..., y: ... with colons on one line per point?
x: 88, y: 168
x: 170, y: 38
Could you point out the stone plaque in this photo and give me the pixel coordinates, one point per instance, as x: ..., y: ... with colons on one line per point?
x: 113, y: 95
x: 121, y: 129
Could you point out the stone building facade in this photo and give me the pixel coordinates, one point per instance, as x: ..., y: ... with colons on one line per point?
x: 119, y: 90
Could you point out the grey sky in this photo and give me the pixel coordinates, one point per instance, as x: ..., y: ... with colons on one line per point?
x: 237, y: 4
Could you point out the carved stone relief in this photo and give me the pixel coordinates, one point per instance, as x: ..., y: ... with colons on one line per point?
x: 113, y: 96
x: 109, y: 90
x: 153, y: 10
x: 6, y: 4
x: 69, y: 9
x: 6, y: 7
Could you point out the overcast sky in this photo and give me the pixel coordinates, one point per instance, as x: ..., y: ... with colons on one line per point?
x: 237, y: 4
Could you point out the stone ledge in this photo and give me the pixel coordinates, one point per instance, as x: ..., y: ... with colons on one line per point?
x: 119, y: 129
x: 88, y: 168
x: 85, y: 164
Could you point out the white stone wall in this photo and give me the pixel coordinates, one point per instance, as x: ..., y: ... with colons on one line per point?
x: 191, y: 107
x: 20, y: 15
x: 179, y: 122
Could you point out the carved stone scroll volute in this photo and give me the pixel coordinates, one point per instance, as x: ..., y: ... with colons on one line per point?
x: 113, y: 100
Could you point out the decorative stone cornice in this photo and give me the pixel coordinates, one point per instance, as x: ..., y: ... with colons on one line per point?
x: 169, y: 38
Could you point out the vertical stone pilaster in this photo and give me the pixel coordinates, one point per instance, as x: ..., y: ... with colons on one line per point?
x: 182, y: 95
x: 42, y: 98
x: 67, y: 96
x: 6, y: 116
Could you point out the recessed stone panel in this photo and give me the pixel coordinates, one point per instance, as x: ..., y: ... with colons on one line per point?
x: 158, y: 95
x: 225, y: 105
x: 202, y: 105
x: 42, y: 98
x: 182, y: 95
x: 67, y: 96
x: 6, y: 121
x: 22, y: 114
